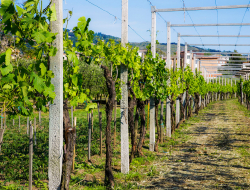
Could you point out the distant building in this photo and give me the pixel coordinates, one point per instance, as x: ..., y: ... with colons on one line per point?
x: 144, y: 51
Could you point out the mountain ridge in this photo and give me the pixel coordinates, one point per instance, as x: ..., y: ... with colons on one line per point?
x: 161, y: 47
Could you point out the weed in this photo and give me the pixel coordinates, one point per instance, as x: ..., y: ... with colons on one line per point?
x: 134, y: 176
x: 152, y: 171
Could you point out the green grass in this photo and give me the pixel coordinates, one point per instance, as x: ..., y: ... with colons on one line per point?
x: 15, y: 154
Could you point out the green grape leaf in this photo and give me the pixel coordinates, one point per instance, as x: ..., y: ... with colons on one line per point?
x: 8, y: 56
x: 43, y: 69
x: 6, y: 70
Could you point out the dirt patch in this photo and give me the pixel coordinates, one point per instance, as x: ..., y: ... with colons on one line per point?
x: 217, y: 156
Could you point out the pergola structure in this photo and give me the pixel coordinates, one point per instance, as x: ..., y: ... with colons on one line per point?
x: 232, y: 70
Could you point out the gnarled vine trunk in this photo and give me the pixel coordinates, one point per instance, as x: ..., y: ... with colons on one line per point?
x: 109, y: 178
x: 69, y: 135
x: 131, y: 123
x: 196, y: 99
x: 157, y: 125
x: 141, y: 108
x: 189, y: 107
x: 172, y: 102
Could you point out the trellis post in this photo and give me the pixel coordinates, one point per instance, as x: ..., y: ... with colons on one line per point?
x: 56, y: 109
x: 168, y: 108
x: 177, y: 119
x: 185, y: 55
x: 152, y: 101
x: 124, y: 99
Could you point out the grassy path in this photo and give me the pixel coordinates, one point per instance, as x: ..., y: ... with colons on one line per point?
x: 215, y: 152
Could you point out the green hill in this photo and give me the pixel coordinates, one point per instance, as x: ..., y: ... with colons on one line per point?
x: 161, y: 48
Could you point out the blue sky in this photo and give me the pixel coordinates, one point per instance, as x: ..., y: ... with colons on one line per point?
x: 140, y: 20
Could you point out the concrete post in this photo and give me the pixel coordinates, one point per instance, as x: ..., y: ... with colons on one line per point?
x: 56, y: 109
x: 205, y: 74
x: 185, y: 93
x: 191, y: 60
x: 185, y: 55
x: 124, y: 100
x: 241, y: 90
x: 177, y: 119
x: 169, y: 45
x: 194, y: 63
x: 219, y: 93
x: 152, y: 101
x: 168, y: 108
x: 216, y: 94
x: 152, y: 123
x: 231, y: 86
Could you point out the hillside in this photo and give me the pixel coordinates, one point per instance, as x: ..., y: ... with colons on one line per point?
x: 162, y: 47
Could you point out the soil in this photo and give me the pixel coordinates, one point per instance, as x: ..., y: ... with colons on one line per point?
x: 216, y: 156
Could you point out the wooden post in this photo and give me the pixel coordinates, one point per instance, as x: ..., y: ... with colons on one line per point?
x: 40, y: 119
x: 148, y: 115
x: 74, y: 156
x: 5, y: 119
x: 92, y: 121
x: 75, y: 121
x: 161, y: 121
x: 30, y: 154
x: 1, y: 118
x: 115, y: 106
x: 1, y: 138
x: 89, y: 142
x: 35, y: 130
x: 28, y: 125
x: 100, y: 124
x: 72, y: 116
x: 19, y: 123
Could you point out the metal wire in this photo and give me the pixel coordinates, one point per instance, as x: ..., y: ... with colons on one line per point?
x: 192, y: 21
x: 116, y: 18
x: 247, y: 9
x: 217, y: 23
x: 163, y: 18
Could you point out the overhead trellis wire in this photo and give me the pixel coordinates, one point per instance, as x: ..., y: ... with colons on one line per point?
x: 217, y: 23
x: 184, y: 7
x: 116, y: 18
x: 247, y: 9
x: 163, y: 19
